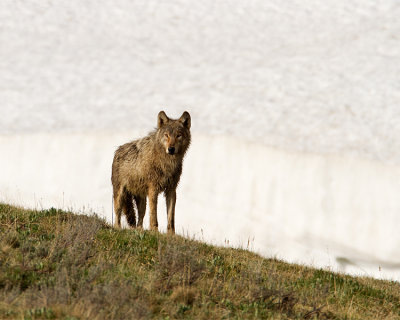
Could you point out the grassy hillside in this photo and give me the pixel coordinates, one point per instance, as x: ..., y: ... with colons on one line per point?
x: 58, y: 265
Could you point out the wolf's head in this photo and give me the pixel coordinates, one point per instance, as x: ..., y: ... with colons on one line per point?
x: 174, y: 134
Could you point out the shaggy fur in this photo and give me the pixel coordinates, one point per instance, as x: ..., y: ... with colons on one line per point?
x: 148, y: 166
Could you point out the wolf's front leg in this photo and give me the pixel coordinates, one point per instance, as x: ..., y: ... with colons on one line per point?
x: 170, y: 196
x: 152, y: 194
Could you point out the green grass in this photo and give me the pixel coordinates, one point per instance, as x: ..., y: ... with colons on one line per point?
x: 59, y: 265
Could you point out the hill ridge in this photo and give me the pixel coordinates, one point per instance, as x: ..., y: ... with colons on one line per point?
x: 60, y: 265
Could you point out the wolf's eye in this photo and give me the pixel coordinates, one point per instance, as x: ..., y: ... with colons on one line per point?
x: 179, y: 136
x: 166, y: 135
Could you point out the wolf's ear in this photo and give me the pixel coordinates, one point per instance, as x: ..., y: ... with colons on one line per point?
x: 162, y: 119
x: 185, y: 119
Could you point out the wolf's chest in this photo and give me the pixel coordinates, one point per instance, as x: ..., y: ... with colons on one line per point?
x: 166, y: 175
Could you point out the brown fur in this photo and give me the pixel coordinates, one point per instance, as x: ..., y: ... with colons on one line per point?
x: 145, y: 167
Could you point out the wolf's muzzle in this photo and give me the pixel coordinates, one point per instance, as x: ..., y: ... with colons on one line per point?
x: 171, y: 150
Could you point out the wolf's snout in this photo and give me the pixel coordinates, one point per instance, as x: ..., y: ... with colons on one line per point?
x: 171, y: 150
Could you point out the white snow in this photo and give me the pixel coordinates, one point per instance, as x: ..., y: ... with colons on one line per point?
x: 294, y: 104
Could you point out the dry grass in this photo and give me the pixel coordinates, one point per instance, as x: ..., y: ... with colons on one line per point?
x: 58, y: 265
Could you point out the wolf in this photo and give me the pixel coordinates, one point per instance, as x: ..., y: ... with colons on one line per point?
x: 148, y: 166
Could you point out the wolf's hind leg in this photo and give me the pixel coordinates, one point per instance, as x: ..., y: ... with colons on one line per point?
x: 141, y: 207
x: 129, y: 209
x: 117, y: 209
